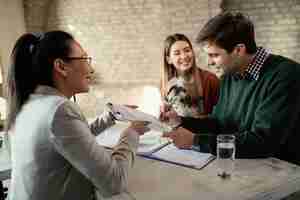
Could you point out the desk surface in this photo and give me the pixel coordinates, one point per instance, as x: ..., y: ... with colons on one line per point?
x: 253, y: 179
x: 258, y: 179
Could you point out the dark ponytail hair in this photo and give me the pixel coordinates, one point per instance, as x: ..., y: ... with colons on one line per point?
x: 32, y: 61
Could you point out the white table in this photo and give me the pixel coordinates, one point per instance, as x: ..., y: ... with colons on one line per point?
x: 258, y: 179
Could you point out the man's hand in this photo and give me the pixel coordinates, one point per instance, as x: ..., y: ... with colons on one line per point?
x: 182, y: 138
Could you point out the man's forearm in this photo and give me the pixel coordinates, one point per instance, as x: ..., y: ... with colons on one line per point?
x: 200, y: 125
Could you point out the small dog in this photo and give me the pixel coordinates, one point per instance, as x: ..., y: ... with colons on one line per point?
x: 181, y: 101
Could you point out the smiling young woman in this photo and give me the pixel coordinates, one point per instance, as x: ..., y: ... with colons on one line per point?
x: 189, y: 90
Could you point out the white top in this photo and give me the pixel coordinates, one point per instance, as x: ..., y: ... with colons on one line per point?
x: 55, y: 154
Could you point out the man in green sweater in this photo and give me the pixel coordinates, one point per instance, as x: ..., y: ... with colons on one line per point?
x: 259, y: 100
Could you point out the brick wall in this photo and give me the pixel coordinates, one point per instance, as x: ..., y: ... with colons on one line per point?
x: 125, y: 37
x: 277, y: 23
x: 36, y: 14
x: 12, y: 25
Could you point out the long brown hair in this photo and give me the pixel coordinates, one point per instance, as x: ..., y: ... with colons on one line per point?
x: 168, y: 71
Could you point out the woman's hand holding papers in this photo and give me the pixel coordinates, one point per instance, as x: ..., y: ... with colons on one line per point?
x: 139, y: 127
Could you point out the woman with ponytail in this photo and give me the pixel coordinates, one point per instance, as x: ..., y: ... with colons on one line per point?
x: 54, y: 151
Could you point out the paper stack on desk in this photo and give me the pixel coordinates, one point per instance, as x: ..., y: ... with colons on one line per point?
x: 153, y: 145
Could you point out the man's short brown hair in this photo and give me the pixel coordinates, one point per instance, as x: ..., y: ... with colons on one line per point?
x: 227, y: 30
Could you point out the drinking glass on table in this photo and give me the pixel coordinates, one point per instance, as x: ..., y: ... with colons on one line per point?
x: 225, y: 155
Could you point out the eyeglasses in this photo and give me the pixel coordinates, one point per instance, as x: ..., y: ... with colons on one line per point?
x: 87, y: 59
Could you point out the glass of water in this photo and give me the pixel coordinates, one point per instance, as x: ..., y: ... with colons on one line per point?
x: 225, y: 155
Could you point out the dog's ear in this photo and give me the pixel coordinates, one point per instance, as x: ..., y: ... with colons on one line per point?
x: 173, y: 88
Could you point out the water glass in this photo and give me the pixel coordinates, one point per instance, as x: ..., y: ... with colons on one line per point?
x: 225, y: 155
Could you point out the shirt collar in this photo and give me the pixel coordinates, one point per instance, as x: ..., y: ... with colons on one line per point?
x: 47, y: 90
x: 254, y: 68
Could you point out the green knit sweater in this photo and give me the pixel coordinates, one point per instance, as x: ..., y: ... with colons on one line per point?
x: 264, y: 115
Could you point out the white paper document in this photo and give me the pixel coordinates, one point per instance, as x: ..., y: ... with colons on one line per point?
x: 124, y: 113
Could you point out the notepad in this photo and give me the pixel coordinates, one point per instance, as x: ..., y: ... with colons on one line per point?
x: 152, y: 145
x: 184, y: 157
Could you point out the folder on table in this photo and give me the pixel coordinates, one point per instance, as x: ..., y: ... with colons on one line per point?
x: 185, y: 157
